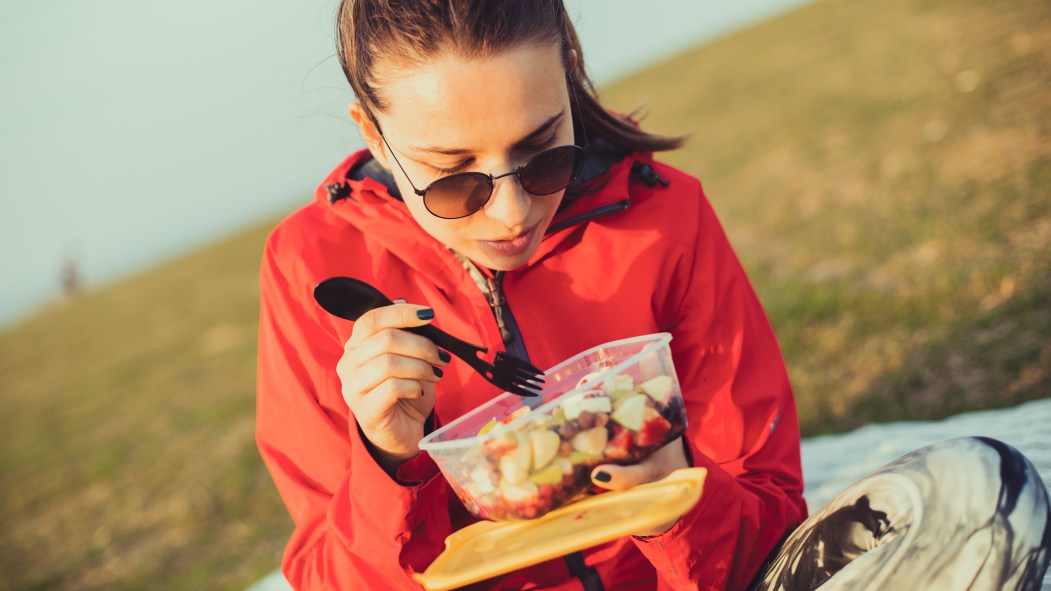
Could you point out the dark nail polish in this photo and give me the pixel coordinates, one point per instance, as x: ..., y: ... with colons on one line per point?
x: 444, y: 355
x: 425, y: 314
x: 437, y: 371
x: 601, y: 476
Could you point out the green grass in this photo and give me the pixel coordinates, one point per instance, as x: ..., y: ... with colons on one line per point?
x: 882, y: 168
x: 884, y: 172
x: 128, y: 458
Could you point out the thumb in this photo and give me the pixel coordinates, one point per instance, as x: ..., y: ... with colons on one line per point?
x: 614, y: 477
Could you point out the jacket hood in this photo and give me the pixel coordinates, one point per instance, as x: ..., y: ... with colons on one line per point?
x: 366, y: 202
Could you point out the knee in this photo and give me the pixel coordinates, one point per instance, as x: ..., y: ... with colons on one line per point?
x: 1016, y: 473
x: 993, y: 459
x: 975, y: 468
x: 983, y: 462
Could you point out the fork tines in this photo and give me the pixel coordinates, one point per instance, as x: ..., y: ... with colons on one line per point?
x: 516, y: 375
x: 506, y: 360
x: 521, y: 389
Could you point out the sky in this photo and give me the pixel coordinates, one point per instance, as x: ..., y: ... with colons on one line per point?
x: 133, y: 131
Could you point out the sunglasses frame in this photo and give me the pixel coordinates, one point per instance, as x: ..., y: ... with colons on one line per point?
x: 580, y: 158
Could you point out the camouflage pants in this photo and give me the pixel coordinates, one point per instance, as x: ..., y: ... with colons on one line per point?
x: 968, y: 513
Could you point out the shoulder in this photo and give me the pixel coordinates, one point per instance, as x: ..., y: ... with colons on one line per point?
x: 316, y: 224
x: 669, y: 184
x: 296, y: 231
x: 308, y: 243
x: 294, y: 228
x: 664, y: 196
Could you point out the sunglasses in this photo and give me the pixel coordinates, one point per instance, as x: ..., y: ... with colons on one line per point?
x: 462, y: 194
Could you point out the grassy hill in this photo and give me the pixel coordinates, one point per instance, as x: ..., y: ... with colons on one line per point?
x: 883, y: 168
x: 884, y: 172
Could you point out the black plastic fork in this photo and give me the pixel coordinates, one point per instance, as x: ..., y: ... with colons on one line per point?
x: 349, y: 298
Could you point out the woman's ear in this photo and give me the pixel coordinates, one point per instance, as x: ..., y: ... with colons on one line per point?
x: 573, y: 60
x: 369, y: 132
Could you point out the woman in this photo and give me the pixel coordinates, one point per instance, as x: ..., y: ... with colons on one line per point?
x: 514, y: 258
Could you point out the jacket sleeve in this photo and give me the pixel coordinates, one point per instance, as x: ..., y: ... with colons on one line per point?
x: 742, y: 426
x: 356, y: 527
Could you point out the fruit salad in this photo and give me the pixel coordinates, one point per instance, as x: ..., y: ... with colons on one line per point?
x: 522, y: 471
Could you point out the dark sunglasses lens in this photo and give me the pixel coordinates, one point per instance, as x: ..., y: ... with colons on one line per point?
x: 458, y: 195
x: 553, y: 170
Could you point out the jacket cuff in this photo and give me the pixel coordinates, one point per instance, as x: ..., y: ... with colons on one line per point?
x: 415, y: 471
x: 372, y: 486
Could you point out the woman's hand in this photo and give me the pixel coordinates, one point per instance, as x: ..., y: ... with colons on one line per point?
x: 388, y: 378
x: 661, y: 463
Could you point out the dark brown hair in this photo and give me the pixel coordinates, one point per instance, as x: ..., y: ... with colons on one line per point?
x: 410, y: 31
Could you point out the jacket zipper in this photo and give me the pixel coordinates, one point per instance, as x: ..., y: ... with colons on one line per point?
x: 513, y: 342
x: 505, y: 320
x: 494, y: 288
x: 515, y: 345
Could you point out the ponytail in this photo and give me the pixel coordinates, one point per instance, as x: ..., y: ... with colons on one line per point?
x: 617, y: 130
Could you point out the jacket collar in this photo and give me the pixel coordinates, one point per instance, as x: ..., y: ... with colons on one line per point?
x: 367, y: 203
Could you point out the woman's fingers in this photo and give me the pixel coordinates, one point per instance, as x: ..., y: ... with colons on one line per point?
x: 392, y: 416
x: 379, y: 349
x: 664, y: 461
x: 391, y: 390
x: 413, y: 398
x: 397, y: 342
x: 614, y: 477
x: 661, y: 463
x: 418, y: 408
x: 387, y: 375
x: 393, y: 316
x: 392, y: 366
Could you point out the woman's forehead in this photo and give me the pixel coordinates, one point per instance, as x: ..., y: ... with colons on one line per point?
x: 470, y: 103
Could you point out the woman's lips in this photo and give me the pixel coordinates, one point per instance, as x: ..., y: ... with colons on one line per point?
x: 510, y: 247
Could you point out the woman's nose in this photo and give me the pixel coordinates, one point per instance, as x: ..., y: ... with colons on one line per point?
x: 510, y: 203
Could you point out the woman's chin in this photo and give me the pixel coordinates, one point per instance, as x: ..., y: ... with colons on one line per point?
x: 501, y: 262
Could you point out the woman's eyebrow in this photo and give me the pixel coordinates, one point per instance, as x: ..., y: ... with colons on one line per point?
x: 532, y: 137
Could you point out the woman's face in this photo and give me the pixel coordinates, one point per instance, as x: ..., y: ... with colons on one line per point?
x: 487, y: 114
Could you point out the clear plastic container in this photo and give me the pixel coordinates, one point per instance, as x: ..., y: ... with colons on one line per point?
x: 518, y: 458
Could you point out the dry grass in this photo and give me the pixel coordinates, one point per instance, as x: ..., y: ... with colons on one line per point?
x: 883, y: 169
x: 128, y: 455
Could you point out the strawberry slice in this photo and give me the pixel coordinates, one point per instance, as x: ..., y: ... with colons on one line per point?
x: 619, y: 447
x: 654, y: 428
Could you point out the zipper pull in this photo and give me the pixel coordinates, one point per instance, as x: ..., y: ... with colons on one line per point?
x: 496, y: 302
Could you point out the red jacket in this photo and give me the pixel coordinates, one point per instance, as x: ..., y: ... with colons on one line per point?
x: 625, y: 260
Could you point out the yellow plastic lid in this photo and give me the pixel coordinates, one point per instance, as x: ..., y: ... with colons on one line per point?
x: 489, y: 548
